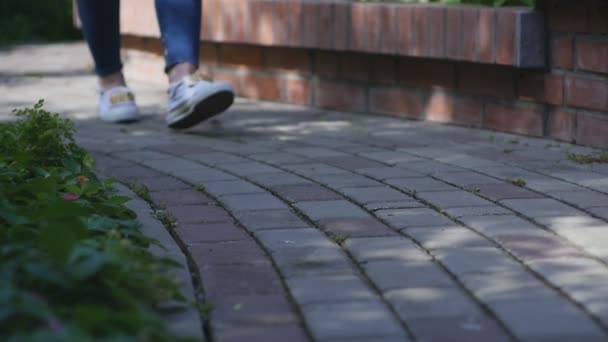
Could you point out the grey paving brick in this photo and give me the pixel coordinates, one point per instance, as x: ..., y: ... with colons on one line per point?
x: 350, y: 162
x: 312, y: 169
x: 453, y: 199
x: 425, y: 184
x: 382, y: 173
x: 262, y: 332
x: 499, y: 224
x: 236, y: 311
x: 248, y: 202
x: 447, y: 238
x: 458, y: 328
x: 601, y: 212
x: 277, y: 179
x: 202, y: 175
x: 279, y: 158
x: 199, y: 214
x: 391, y: 157
x: 537, y: 245
x: 353, y: 319
x: 498, y: 192
x: 581, y: 198
x: 195, y: 233
x: 307, y: 192
x: 277, y: 239
x: 216, y: 158
x: 248, y: 168
x: 180, y: 148
x: 222, y: 280
x: 318, y: 210
x: 270, y: 219
x: 340, y: 181
x: 528, y: 319
x: 485, y: 260
x: 428, y: 301
x: 329, y: 288
x: 367, y: 195
x: 418, y: 217
x: 384, y: 248
x: 172, y: 166
x: 163, y: 183
x: 229, y: 252
x: 179, y: 197
x: 540, y: 207
x: 505, y: 286
x: 314, y: 152
x: 233, y: 187
x: 144, y: 155
x: 308, y: 261
x: 545, y: 184
x: 429, y: 167
x: 398, y: 274
x: 356, y: 227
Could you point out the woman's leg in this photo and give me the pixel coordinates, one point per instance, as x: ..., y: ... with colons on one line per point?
x: 100, y: 26
x: 180, y: 26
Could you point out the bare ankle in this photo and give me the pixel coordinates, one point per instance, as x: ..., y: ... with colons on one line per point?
x: 180, y: 70
x: 113, y: 80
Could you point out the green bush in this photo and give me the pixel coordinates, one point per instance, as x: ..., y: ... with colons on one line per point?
x: 36, y: 20
x: 74, y: 265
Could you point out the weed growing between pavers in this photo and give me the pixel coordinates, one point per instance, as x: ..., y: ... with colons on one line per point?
x: 74, y: 264
x: 600, y: 157
x: 517, y: 182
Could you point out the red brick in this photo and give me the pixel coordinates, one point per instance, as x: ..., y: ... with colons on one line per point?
x: 212, y: 30
x: 243, y: 56
x: 229, y: 76
x: 560, y: 124
x: 591, y: 129
x: 325, y: 27
x: 470, y: 34
x: 286, y: 59
x: 562, y: 53
x: 326, y: 64
x: 394, y: 101
x: 404, y: 29
x: 282, y: 22
x: 298, y: 91
x: 454, y: 33
x: 386, y: 30
x: 567, y: 17
x: 514, y: 119
x: 442, y: 107
x: 592, y: 55
x: 341, y: 15
x: 488, y: 80
x: 384, y: 69
x: 262, y: 16
x: 236, y: 21
x: 541, y: 87
x: 263, y: 87
x: 295, y: 22
x: 486, y: 29
x: 340, y: 96
x: 310, y: 24
x: 436, y: 35
x: 425, y: 73
x: 506, y: 32
x: 358, y: 27
x: 354, y: 66
x: 420, y: 28
x: 587, y: 92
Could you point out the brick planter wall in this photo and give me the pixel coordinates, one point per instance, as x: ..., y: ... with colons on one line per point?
x: 333, y: 55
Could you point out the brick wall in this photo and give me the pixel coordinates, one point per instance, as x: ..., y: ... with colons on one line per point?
x: 566, y: 101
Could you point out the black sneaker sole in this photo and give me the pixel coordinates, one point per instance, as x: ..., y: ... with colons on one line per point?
x: 208, y: 108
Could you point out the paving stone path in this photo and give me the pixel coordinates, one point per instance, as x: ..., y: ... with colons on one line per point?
x: 306, y: 225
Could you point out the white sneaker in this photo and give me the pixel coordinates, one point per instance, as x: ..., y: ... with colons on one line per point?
x: 193, y: 100
x: 117, y: 105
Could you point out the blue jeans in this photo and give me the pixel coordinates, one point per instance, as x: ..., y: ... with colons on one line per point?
x: 180, y: 26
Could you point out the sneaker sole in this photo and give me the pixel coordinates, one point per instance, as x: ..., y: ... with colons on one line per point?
x: 208, y: 108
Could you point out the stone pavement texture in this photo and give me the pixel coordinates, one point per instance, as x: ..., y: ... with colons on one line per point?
x: 306, y: 225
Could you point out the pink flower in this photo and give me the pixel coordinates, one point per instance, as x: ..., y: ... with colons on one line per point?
x: 68, y: 196
x: 82, y: 179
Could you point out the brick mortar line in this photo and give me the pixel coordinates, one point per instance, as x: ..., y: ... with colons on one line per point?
x: 481, y: 304
x: 297, y: 311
